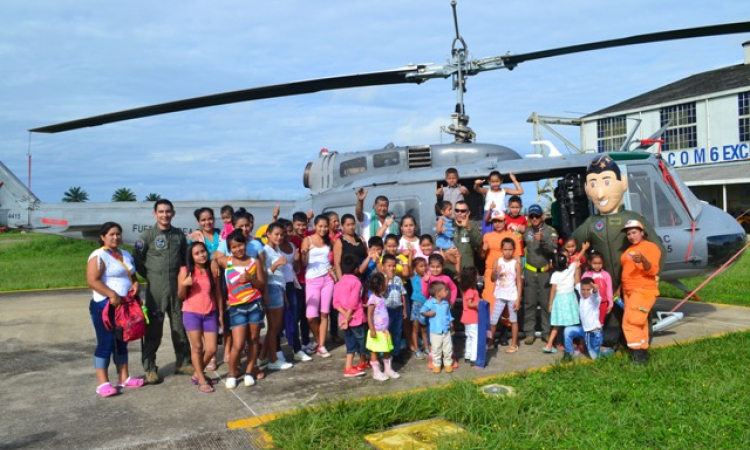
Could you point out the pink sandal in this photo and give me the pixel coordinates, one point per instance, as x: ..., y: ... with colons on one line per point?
x: 211, y: 365
x: 106, y: 390
x: 131, y: 383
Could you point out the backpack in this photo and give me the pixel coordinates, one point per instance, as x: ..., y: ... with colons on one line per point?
x: 126, y: 321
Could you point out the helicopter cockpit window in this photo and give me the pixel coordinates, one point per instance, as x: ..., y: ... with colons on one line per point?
x: 353, y: 167
x: 667, y: 215
x: 640, y: 196
x: 386, y: 160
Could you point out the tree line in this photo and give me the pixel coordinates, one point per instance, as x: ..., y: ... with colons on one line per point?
x: 76, y: 194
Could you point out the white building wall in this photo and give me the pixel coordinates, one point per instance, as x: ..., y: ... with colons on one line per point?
x: 716, y: 127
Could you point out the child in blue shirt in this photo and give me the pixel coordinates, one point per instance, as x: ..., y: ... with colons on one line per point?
x: 438, y: 312
x: 418, y: 321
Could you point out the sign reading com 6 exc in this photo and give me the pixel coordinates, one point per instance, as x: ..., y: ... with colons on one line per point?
x: 725, y: 153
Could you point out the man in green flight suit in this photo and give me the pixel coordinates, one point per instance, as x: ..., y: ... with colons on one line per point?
x: 605, y: 187
x: 159, y: 253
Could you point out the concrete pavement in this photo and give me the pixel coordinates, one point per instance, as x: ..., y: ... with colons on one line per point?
x: 47, y: 381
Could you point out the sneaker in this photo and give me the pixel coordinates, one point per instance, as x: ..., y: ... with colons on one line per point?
x: 302, y: 356
x: 380, y: 377
x: 311, y: 347
x: 280, y: 356
x: 448, y: 369
x: 392, y: 374
x: 231, y: 383
x: 152, y: 378
x: 353, y: 372
x: 323, y: 352
x: 249, y: 380
x: 549, y: 350
x: 279, y: 365
x: 419, y: 354
x: 529, y: 340
x: 435, y: 369
x: 363, y: 365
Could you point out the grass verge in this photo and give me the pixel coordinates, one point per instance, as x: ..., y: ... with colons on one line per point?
x: 729, y: 287
x: 34, y: 261
x: 689, y: 396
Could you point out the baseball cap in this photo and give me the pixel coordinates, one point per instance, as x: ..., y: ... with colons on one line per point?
x: 535, y: 209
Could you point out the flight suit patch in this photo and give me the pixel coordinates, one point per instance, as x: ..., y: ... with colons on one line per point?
x: 139, y: 244
x: 161, y: 243
x: 599, y: 225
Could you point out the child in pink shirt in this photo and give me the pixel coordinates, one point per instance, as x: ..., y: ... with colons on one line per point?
x: 347, y: 300
x: 435, y: 273
x: 470, y: 316
x: 603, y: 279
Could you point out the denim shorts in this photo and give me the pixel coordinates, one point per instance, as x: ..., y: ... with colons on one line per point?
x: 416, y: 313
x: 275, y: 296
x: 246, y: 313
x: 355, y: 339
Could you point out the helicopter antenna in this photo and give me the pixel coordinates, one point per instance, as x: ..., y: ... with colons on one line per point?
x: 460, y: 127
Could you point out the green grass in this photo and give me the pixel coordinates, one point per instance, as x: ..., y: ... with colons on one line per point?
x: 729, y: 287
x: 689, y: 396
x: 42, y: 261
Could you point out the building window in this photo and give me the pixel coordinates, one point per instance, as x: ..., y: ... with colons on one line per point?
x: 743, y: 101
x: 610, y: 133
x: 681, y: 133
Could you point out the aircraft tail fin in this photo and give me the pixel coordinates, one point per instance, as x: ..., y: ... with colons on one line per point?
x: 16, y: 200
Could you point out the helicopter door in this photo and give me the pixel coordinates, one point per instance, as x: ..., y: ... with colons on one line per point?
x: 649, y: 195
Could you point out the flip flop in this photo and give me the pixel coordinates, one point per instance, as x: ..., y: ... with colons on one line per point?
x: 205, y: 388
x: 106, y: 390
x: 511, y: 350
x: 211, y: 365
x: 131, y: 383
x: 196, y: 382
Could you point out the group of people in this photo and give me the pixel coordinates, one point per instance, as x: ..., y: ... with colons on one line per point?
x: 388, y: 289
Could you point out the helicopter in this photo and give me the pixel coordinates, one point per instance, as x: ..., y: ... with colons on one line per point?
x: 409, y: 175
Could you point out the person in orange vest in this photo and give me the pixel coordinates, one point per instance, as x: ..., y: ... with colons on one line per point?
x: 640, y: 287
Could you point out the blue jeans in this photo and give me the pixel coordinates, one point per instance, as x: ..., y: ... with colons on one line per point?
x: 593, y: 339
x: 105, y: 340
x: 291, y: 318
x: 396, y: 328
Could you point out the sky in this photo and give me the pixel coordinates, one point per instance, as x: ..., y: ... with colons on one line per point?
x: 62, y: 61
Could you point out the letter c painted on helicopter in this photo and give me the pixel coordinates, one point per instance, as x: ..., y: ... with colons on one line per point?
x: 666, y: 238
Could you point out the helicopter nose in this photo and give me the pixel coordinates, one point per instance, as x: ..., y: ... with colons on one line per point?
x: 729, y: 240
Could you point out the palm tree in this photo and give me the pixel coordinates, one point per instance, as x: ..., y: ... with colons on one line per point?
x: 123, y: 195
x: 152, y: 197
x: 75, y: 195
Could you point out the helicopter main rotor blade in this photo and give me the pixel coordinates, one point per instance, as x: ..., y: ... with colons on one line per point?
x: 395, y: 76
x: 510, y: 61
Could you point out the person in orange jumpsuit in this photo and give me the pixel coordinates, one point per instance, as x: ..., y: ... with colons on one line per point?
x: 640, y: 287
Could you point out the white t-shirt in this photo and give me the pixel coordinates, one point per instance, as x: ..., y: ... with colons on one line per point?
x: 115, y: 275
x: 505, y: 286
x: 497, y: 197
x: 589, y: 310
x: 565, y: 280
